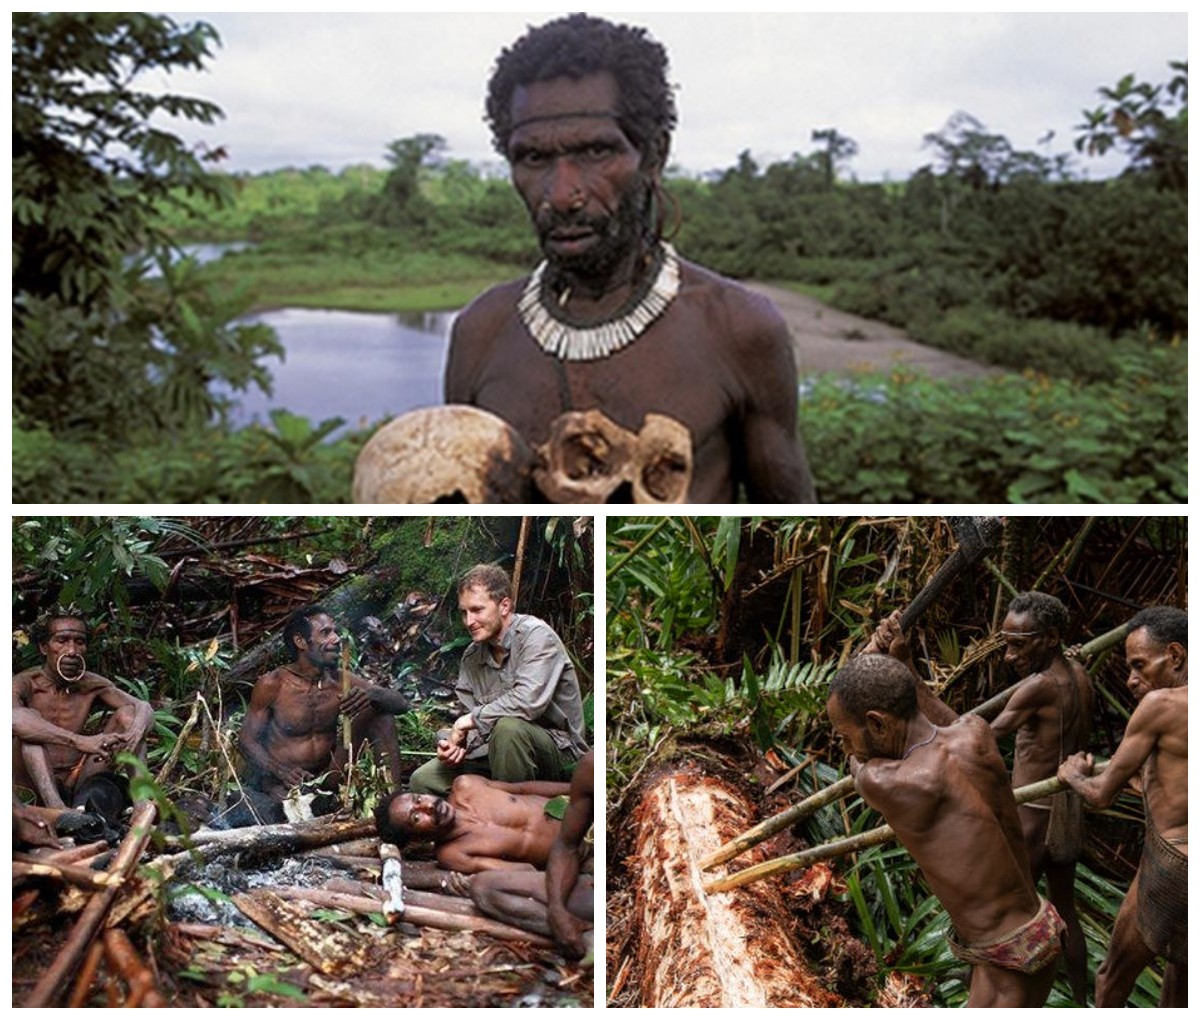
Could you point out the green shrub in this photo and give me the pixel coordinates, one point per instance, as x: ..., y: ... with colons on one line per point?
x: 906, y: 438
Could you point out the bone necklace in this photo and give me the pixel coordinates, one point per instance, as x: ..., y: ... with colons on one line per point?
x: 588, y: 343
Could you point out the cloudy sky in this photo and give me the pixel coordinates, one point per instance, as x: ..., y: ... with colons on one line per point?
x: 334, y: 89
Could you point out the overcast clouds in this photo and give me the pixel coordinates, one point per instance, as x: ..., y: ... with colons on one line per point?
x: 299, y: 89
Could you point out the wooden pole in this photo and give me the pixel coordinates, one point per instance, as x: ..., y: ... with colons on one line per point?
x: 55, y: 980
x: 851, y: 844
x: 845, y: 786
x: 519, y: 561
x: 347, y: 726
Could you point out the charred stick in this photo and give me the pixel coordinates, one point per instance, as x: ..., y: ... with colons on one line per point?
x: 48, y: 990
x: 87, y: 976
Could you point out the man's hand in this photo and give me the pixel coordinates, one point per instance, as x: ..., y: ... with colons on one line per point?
x: 293, y: 775
x: 457, y: 884
x: 357, y: 702
x: 102, y: 745
x: 568, y: 931
x: 889, y: 639
x: 1076, y: 768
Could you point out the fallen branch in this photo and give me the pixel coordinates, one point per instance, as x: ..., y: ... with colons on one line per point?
x: 73, y: 874
x: 53, y: 982
x: 864, y: 840
x: 139, y: 979
x: 426, y: 917
x: 845, y: 786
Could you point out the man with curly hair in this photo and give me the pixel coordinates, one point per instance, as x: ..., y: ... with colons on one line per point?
x: 1152, y: 921
x: 613, y: 322
x: 943, y: 788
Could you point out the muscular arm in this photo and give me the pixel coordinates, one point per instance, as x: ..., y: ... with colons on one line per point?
x: 537, y: 787
x: 562, y: 866
x: 889, y: 639
x: 470, y: 855
x: 776, y: 467
x: 1021, y: 708
x: 1149, y: 721
x: 30, y: 727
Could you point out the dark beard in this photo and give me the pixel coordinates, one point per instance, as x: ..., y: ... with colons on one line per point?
x: 616, y: 236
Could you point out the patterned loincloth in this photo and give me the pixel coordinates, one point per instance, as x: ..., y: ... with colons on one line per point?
x: 1028, y: 949
x: 1162, y: 896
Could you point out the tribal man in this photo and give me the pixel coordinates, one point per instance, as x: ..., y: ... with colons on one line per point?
x: 614, y: 336
x: 1152, y: 920
x: 946, y: 793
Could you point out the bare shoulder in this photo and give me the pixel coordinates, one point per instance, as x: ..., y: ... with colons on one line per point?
x: 268, y: 682
x: 742, y: 314
x: 1162, y: 709
x: 484, y: 316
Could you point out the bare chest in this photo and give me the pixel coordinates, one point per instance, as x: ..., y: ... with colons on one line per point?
x: 302, y: 709
x: 67, y: 710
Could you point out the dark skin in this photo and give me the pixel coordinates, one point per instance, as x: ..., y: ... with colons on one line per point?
x: 564, y: 918
x: 732, y: 347
x: 1153, y: 747
x: 945, y: 792
x: 484, y: 825
x: 1050, y: 713
x: 51, y: 706
x: 291, y: 732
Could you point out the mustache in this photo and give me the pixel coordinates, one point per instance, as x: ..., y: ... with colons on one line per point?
x: 549, y: 221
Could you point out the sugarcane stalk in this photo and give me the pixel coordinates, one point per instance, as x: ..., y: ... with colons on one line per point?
x: 862, y: 841
x: 347, y: 725
x: 845, y: 786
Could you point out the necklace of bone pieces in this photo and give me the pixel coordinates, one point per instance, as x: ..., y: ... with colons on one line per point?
x: 550, y: 327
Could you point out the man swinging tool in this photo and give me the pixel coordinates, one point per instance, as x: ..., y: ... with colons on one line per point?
x: 944, y: 790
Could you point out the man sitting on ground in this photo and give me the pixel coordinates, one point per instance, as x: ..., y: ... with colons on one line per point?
x: 53, y: 759
x: 291, y: 734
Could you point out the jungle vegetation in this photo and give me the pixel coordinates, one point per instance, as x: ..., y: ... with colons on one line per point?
x: 1005, y: 256
x: 726, y: 628
x: 186, y: 612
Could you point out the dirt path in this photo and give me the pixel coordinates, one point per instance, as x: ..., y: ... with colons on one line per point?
x: 828, y: 340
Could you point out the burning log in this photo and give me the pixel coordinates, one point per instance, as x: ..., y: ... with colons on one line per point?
x: 50, y: 988
x: 696, y: 949
x: 268, y: 840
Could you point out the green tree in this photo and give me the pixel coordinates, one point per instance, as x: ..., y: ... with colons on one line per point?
x: 839, y: 149
x: 1149, y: 122
x: 101, y: 351
x: 401, y: 202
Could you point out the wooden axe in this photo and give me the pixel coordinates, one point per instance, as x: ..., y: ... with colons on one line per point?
x: 976, y: 537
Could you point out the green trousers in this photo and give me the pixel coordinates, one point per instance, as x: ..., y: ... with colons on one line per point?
x: 517, y: 751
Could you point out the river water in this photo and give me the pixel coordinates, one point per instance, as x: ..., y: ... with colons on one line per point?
x: 360, y: 366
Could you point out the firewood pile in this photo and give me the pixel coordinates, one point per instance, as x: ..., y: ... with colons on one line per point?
x: 96, y: 927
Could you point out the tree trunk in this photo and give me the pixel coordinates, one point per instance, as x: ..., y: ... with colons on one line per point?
x: 722, y: 950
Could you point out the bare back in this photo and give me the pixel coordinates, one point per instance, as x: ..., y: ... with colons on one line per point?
x: 719, y: 361
x: 951, y: 806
